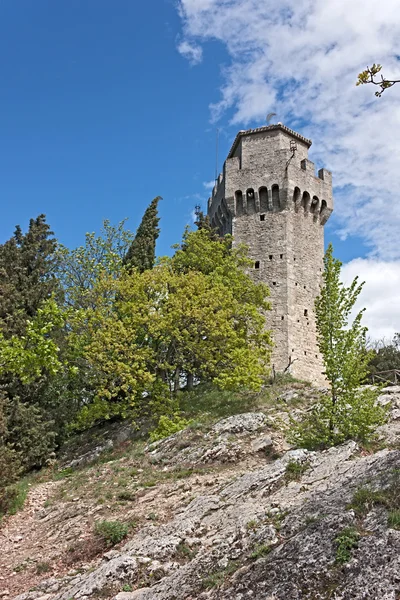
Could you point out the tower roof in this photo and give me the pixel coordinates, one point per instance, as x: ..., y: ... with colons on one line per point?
x: 277, y: 127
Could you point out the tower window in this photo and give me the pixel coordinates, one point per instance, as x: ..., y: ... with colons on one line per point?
x: 282, y: 318
x: 305, y: 352
x: 274, y: 283
x: 251, y: 201
x: 262, y: 217
x: 305, y: 312
x: 271, y: 257
x: 257, y: 264
x: 281, y: 255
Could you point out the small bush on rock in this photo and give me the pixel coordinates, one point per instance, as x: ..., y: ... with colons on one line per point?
x: 294, y: 470
x: 167, y: 427
x: 112, y: 532
x: 346, y: 541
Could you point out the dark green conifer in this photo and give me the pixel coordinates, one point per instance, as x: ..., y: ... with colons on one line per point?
x: 142, y: 252
x: 27, y: 266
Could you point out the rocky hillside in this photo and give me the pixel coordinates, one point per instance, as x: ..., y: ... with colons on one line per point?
x: 222, y: 510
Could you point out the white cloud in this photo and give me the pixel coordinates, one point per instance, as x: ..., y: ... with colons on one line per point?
x: 380, y: 294
x: 300, y: 59
x: 208, y: 185
x: 192, y: 52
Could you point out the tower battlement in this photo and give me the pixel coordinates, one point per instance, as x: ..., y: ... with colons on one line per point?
x: 270, y: 198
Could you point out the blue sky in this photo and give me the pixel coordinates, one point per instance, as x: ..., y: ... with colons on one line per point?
x: 99, y: 114
x: 105, y: 105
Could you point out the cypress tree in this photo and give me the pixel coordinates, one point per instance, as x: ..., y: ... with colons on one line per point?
x: 142, y: 252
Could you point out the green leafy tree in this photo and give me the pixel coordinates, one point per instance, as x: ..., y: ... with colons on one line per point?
x: 102, y: 255
x: 176, y: 320
x: 369, y: 76
x: 141, y: 254
x: 348, y: 411
x: 385, y: 356
x: 27, y: 434
x: 203, y: 222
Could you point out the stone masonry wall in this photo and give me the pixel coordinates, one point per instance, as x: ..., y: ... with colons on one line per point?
x: 269, y: 198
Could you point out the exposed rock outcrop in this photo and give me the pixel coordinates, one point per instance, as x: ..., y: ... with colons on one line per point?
x: 272, y: 531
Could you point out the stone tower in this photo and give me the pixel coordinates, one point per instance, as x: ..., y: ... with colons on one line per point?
x: 269, y: 198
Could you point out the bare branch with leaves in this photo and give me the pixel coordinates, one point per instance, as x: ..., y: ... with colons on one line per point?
x: 370, y: 76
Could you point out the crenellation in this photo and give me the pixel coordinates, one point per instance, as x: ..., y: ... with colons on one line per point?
x: 270, y: 198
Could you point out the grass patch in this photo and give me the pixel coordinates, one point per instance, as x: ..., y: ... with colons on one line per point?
x: 184, y: 552
x: 218, y: 578
x: 64, y: 473
x: 394, y: 519
x: 126, y: 496
x: 260, y: 551
x: 346, y: 542
x: 15, y: 496
x: 366, y: 498
x: 111, y: 532
x: 252, y: 525
x: 294, y: 470
x: 43, y: 567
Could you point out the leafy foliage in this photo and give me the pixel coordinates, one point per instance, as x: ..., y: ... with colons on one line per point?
x: 349, y: 411
x: 171, y: 321
x: 167, y: 427
x: 346, y: 542
x: 366, y: 498
x: 111, y: 532
x: 102, y: 255
x: 294, y: 470
x: 385, y: 357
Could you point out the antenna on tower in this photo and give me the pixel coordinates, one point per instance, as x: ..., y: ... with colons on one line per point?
x: 269, y: 117
x: 197, y: 210
x: 216, y: 154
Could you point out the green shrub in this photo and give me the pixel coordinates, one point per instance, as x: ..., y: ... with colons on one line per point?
x: 167, y: 427
x: 345, y: 542
x: 42, y: 567
x: 365, y: 498
x: 394, y: 519
x: 111, y: 532
x: 260, y: 551
x: 9, y: 469
x: 217, y: 578
x: 127, y: 588
x: 294, y: 470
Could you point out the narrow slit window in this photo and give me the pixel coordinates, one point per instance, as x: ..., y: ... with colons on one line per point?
x: 262, y: 217
x: 257, y: 264
x: 281, y: 255
x: 305, y: 312
x: 271, y: 257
